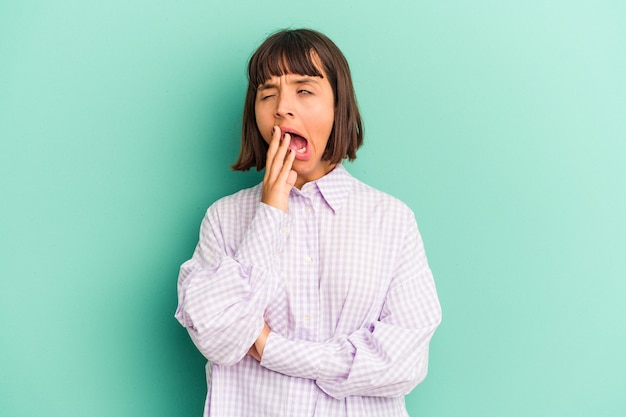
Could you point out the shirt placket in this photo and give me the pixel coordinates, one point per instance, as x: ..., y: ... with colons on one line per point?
x: 308, y: 315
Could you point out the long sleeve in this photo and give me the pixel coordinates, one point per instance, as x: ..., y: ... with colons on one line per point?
x: 223, y: 290
x: 388, y: 357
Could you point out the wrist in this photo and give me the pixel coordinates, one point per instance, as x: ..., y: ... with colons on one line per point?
x: 281, y: 204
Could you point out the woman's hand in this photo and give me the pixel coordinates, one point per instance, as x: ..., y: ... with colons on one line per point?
x: 252, y: 352
x: 279, y: 178
x: 256, y: 350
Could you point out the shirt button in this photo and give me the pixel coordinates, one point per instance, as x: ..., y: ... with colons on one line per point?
x: 286, y: 230
x: 307, y: 209
x: 308, y: 260
x: 307, y: 317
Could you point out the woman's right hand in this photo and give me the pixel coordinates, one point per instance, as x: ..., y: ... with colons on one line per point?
x: 279, y: 178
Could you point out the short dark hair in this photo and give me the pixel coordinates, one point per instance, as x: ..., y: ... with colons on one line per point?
x: 295, y: 51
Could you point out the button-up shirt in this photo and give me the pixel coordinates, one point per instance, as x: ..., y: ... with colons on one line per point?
x: 343, y: 283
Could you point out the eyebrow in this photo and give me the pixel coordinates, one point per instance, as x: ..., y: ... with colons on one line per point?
x: 298, y: 81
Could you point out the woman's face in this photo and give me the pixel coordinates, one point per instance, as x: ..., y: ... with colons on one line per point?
x: 304, y: 107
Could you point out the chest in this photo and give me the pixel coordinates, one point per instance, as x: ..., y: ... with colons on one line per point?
x: 335, y: 270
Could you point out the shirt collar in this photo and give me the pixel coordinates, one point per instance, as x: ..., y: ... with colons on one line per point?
x: 335, y: 186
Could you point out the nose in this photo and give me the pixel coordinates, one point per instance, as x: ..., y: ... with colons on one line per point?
x: 284, y: 106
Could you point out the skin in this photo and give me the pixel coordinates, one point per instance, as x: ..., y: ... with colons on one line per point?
x: 303, y: 104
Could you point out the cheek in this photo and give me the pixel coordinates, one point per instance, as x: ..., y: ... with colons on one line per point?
x: 330, y: 110
x: 324, y: 116
x: 263, y: 127
x: 330, y: 120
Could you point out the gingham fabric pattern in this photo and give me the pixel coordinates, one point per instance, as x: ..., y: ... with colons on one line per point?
x: 343, y: 282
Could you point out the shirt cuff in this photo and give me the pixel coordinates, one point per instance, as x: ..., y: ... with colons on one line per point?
x: 265, y: 237
x: 328, y: 362
x: 299, y: 359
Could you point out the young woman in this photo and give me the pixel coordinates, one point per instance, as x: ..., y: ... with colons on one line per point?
x: 310, y: 294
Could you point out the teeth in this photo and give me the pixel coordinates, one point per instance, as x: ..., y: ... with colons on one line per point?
x: 303, y: 150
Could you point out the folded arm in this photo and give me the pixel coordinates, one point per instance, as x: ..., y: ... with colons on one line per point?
x: 387, y: 358
x: 222, y: 296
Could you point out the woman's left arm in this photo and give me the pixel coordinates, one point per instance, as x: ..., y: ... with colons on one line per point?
x: 388, y: 358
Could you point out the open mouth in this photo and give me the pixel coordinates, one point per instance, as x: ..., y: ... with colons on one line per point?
x: 298, y: 143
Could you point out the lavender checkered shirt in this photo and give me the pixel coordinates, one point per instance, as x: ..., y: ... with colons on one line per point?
x: 343, y: 282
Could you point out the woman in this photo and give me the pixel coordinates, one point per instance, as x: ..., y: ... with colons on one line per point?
x: 310, y: 294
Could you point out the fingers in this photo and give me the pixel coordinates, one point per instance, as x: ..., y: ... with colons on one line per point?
x: 285, y: 170
x: 278, y: 160
x: 279, y: 176
x: 274, y: 143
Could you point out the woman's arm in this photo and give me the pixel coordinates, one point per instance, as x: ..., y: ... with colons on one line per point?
x: 222, y: 296
x: 389, y: 357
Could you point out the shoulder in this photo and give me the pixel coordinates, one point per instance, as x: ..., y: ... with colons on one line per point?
x: 381, y: 216
x: 240, y: 197
x: 365, y: 195
x: 344, y: 191
x: 237, y: 204
x: 227, y: 218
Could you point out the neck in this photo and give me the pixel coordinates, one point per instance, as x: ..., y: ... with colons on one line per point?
x: 303, y: 179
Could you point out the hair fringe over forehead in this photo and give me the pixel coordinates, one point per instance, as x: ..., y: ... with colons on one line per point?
x: 284, y: 53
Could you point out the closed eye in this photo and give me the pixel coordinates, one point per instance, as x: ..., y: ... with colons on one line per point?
x: 267, y: 96
x: 304, y: 92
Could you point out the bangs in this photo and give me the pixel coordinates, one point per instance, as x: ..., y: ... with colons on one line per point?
x: 288, y: 54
